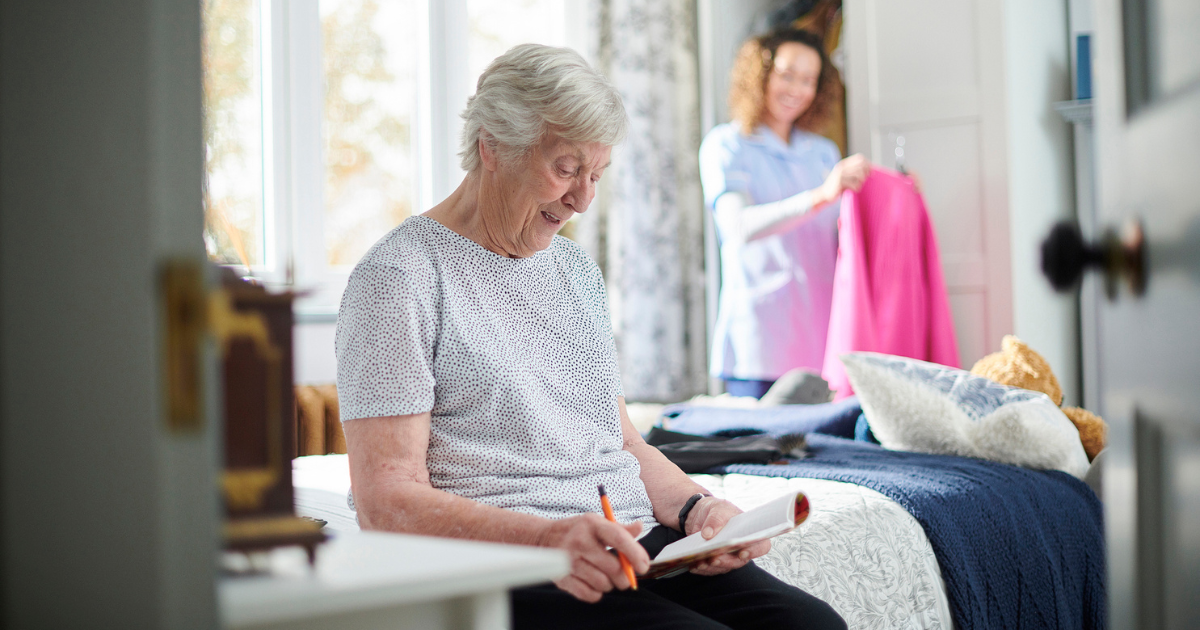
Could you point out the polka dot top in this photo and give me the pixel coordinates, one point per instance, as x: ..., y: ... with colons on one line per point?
x: 513, y: 357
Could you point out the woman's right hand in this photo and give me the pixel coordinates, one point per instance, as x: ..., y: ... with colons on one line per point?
x: 594, y: 569
x: 848, y: 174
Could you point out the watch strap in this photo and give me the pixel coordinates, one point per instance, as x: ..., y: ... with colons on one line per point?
x: 687, y: 509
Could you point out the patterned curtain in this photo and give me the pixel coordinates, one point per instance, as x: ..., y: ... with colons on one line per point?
x: 646, y: 226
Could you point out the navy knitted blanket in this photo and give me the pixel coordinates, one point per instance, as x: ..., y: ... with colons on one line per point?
x: 1018, y: 548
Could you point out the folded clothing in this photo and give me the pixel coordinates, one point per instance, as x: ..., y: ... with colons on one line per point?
x: 835, y: 418
x: 698, y: 453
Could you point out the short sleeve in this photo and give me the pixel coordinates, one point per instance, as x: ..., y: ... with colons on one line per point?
x: 721, y: 168
x: 386, y: 336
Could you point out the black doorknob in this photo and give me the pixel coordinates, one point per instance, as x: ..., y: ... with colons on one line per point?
x: 1066, y: 256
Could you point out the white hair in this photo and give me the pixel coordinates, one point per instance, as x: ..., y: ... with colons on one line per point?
x: 533, y: 89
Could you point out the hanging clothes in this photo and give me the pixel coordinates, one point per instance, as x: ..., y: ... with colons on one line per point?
x: 889, y: 295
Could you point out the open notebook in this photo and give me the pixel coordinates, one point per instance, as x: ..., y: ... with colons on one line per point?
x: 768, y: 520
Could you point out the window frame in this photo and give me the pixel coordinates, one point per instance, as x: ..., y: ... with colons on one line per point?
x: 290, y: 48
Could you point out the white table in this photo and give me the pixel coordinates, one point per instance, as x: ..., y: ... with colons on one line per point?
x: 376, y: 580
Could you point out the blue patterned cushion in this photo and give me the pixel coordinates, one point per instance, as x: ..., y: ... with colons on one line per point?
x: 912, y: 405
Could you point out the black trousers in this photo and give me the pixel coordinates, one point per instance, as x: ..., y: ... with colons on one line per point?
x: 744, y: 598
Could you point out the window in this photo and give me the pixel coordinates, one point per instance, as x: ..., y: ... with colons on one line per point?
x: 233, y: 196
x: 495, y: 26
x: 368, y: 63
x: 328, y: 122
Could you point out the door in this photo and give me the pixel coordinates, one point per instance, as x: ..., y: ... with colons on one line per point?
x: 108, y: 504
x: 1148, y: 151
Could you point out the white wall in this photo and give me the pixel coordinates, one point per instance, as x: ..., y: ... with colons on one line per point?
x: 109, y: 518
x: 1041, y: 178
x: 312, y: 352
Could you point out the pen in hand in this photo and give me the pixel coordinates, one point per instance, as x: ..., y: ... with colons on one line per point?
x: 608, y: 513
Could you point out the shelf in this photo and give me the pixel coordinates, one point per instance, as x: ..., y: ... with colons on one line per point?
x: 1077, y: 112
x: 315, y: 316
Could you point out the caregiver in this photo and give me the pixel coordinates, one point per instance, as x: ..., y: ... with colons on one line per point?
x: 771, y: 184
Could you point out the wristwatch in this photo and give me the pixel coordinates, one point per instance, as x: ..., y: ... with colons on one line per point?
x: 687, y: 508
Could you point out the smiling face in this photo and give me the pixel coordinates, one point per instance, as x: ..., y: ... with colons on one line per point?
x: 524, y: 203
x: 792, y: 84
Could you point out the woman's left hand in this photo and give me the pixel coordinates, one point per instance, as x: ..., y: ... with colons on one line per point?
x: 709, y: 515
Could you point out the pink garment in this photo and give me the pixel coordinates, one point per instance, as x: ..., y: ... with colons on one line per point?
x: 888, y: 292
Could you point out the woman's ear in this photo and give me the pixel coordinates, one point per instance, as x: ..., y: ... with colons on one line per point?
x: 487, y: 150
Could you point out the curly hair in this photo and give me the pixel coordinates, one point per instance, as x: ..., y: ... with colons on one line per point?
x: 752, y: 69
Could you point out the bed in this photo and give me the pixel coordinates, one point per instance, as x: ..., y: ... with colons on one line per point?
x: 894, y: 539
x: 858, y: 550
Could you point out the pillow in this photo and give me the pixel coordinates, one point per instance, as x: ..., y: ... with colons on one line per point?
x: 912, y: 405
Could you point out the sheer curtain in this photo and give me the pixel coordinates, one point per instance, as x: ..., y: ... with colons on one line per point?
x: 646, y: 226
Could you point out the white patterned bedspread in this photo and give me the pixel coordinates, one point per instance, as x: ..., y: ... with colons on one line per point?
x: 858, y: 550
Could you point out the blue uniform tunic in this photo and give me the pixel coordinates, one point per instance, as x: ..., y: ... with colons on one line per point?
x: 773, y: 314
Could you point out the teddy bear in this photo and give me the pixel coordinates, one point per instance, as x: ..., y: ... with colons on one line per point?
x: 1018, y: 365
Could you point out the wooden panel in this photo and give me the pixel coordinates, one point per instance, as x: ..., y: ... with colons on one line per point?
x: 259, y: 405
x: 310, y: 422
x: 335, y: 437
x: 318, y: 421
x: 247, y: 411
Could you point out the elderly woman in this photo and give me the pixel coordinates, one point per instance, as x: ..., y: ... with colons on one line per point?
x: 479, y: 385
x: 771, y: 183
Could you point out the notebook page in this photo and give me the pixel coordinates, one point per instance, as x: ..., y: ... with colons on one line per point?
x: 771, y: 518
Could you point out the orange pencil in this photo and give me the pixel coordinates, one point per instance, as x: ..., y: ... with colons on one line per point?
x: 608, y: 513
